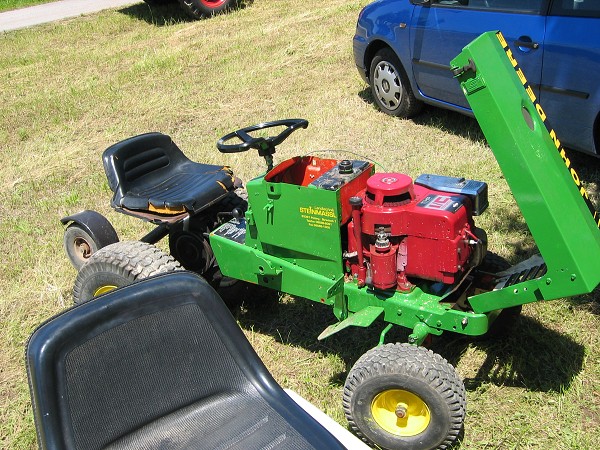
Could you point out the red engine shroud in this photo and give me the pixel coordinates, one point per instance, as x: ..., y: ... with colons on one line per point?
x: 411, y: 231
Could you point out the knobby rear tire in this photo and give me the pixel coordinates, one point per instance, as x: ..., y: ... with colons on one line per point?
x: 118, y: 265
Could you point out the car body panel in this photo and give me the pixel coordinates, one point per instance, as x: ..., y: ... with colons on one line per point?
x: 570, y: 78
x: 381, y: 23
x: 558, y: 53
x: 439, y: 33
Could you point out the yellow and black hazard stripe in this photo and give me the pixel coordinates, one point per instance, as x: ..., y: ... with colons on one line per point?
x: 542, y: 114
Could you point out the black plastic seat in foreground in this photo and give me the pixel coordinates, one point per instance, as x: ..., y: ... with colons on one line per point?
x: 160, y: 364
x: 150, y: 173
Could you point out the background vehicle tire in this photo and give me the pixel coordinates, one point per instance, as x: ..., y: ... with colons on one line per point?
x: 118, y: 265
x: 198, y: 9
x: 390, y: 86
x: 78, y: 245
x: 399, y: 396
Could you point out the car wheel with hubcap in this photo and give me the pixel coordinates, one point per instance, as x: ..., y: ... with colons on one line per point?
x: 399, y: 396
x: 118, y: 265
x: 390, y: 86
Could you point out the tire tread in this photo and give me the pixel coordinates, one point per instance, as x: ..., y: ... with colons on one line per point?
x: 132, y: 260
x: 418, y: 362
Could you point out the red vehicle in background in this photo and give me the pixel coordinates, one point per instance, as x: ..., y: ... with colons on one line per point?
x: 198, y: 9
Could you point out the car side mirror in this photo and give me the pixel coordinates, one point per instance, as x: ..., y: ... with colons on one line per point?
x: 421, y: 2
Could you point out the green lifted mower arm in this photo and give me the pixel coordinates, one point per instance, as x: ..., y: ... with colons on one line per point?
x: 547, y: 189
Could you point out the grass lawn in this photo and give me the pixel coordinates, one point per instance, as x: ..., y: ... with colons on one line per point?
x: 7, y: 5
x: 72, y: 88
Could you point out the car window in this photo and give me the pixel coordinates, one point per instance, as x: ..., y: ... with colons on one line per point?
x: 519, y: 6
x: 576, y: 8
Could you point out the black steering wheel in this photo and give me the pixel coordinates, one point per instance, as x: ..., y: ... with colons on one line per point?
x: 265, y: 146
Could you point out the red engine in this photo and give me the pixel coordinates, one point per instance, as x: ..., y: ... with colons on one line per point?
x: 401, y: 230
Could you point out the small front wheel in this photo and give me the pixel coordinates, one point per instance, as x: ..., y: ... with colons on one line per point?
x: 79, y: 245
x: 400, y: 396
x: 118, y: 265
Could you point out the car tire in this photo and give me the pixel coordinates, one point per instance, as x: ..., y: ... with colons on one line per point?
x: 390, y: 86
x: 198, y: 9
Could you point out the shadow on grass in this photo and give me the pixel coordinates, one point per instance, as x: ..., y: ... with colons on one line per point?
x: 298, y: 322
x: 533, y: 356
x: 442, y: 119
x: 157, y: 15
x: 588, y: 166
x: 588, y: 302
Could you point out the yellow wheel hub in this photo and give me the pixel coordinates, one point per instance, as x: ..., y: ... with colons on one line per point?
x: 104, y: 289
x: 400, y: 412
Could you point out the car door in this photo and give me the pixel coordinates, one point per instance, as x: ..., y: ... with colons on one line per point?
x: 441, y: 29
x: 570, y: 88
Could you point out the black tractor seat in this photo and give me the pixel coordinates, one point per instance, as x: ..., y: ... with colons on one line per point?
x: 152, y: 178
x: 159, y: 364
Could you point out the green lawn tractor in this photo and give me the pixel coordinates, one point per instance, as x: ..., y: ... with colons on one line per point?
x: 371, y: 246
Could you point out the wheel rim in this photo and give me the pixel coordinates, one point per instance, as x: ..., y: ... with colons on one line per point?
x: 387, y: 84
x: 212, y: 3
x: 104, y: 289
x: 400, y: 412
x: 82, y: 248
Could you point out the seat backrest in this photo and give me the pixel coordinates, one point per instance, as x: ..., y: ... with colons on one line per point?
x: 109, y: 367
x: 140, y: 156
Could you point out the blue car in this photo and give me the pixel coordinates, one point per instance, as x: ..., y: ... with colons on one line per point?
x: 403, y: 49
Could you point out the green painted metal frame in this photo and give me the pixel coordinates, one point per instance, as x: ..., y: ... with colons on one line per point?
x: 545, y: 187
x: 300, y: 224
x: 293, y: 244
